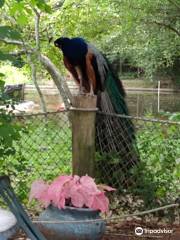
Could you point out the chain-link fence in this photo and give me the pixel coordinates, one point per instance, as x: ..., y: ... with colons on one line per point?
x: 146, y: 164
x: 132, y: 154
x: 43, y: 152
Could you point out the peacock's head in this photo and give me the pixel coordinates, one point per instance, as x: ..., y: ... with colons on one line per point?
x: 60, y: 42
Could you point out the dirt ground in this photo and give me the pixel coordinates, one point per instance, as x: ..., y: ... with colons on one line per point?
x: 126, y: 231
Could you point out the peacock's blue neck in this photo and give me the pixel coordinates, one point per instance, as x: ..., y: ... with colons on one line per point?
x: 75, y: 49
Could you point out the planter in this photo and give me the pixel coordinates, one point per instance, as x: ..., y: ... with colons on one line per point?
x: 71, y: 231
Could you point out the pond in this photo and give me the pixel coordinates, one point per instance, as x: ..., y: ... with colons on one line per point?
x: 139, y: 100
x: 143, y: 101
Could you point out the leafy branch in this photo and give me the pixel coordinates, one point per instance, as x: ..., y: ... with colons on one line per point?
x: 165, y: 25
x: 27, y: 50
x: 175, y: 4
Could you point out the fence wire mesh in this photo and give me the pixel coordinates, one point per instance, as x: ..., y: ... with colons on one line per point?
x: 145, y: 160
x: 43, y: 152
x: 141, y: 155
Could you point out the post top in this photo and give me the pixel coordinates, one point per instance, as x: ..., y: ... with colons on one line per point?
x: 84, y: 102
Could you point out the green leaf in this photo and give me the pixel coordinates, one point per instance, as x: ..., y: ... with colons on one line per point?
x: 16, y: 7
x: 2, y: 83
x: 33, y: 2
x: 2, y: 3
x: 6, y: 56
x: 16, y: 61
x: 9, y: 32
x: 42, y: 5
x: 22, y: 20
x: 47, y: 9
x: 2, y: 75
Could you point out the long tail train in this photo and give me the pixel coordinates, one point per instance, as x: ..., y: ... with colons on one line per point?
x: 115, y: 134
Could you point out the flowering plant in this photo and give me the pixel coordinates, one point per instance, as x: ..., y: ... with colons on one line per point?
x: 71, y: 191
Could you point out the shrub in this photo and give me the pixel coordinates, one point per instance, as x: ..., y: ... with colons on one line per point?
x: 157, y: 175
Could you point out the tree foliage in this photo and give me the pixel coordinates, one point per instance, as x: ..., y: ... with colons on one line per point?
x: 143, y: 31
x: 9, y: 131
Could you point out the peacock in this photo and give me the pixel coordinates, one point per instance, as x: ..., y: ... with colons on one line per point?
x: 93, y: 73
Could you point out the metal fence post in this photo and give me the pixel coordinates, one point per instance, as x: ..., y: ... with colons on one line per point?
x: 83, y: 134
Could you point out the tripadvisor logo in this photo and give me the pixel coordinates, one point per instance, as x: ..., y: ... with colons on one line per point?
x: 139, y: 231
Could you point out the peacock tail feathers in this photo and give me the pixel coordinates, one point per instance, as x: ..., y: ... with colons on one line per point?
x: 101, y: 62
x: 118, y: 132
x: 115, y: 95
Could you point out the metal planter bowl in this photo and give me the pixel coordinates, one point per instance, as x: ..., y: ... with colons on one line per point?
x: 80, y: 230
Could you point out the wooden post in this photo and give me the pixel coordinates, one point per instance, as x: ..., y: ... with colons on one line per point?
x: 83, y: 134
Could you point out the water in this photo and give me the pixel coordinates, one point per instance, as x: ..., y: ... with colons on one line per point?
x: 140, y: 101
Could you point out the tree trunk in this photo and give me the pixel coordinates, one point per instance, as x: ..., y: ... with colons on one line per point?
x: 50, y: 67
x: 58, y: 80
x: 34, y: 78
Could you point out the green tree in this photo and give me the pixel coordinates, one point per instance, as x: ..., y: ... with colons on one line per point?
x: 25, y: 41
x: 147, y: 33
x: 144, y: 32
